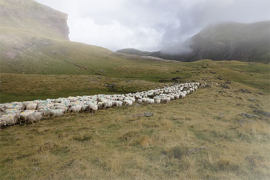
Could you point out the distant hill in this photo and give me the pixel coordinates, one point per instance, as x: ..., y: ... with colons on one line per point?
x: 134, y: 52
x: 225, y: 41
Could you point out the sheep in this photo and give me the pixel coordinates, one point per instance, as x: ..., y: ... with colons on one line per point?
x: 57, y: 107
x: 85, y: 108
x: 31, y: 106
x: 176, y: 96
x: 100, y: 105
x: 33, y: 117
x: 76, y: 108
x: 157, y: 99
x: 93, y: 107
x: 119, y: 103
x: 9, y: 119
x: 171, y: 97
x: 9, y: 106
x: 12, y: 111
x: 46, y: 112
x: 56, y: 112
x: 24, y: 114
x: 149, y: 101
x: 64, y: 108
x: 140, y: 101
x: 127, y: 102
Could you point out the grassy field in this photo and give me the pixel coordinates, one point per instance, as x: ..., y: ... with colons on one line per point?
x: 220, y: 132
x: 129, y: 76
x: 204, y: 136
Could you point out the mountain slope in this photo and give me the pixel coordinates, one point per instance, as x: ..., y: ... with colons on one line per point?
x: 226, y: 41
x: 34, y: 40
x: 39, y: 19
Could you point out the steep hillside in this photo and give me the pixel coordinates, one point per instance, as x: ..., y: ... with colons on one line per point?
x: 29, y: 15
x: 34, y: 40
x: 226, y: 41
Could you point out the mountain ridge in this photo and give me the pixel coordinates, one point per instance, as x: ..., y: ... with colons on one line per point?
x: 224, y: 41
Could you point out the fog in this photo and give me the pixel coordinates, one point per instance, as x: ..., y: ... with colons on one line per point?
x: 151, y: 25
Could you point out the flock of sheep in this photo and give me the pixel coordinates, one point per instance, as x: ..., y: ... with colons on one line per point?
x: 33, y: 111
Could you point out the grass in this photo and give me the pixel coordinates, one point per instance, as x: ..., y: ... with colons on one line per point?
x: 204, y: 136
x: 130, y: 76
x: 176, y: 143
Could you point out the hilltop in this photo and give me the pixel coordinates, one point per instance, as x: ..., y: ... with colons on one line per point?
x: 224, y: 41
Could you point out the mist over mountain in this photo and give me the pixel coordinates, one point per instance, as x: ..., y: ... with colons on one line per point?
x: 223, y: 41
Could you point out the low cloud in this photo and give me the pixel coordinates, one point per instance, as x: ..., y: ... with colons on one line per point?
x: 151, y: 25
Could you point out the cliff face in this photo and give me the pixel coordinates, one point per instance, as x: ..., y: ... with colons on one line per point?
x: 32, y: 16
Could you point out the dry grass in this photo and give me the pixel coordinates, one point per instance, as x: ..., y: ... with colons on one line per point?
x: 200, y: 137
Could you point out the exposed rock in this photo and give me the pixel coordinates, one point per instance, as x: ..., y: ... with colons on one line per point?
x: 249, y: 115
x: 148, y: 114
x: 224, y: 86
x: 252, y: 100
x: 36, y: 168
x: 137, y: 105
x: 196, y: 150
x: 261, y: 112
x: 244, y: 91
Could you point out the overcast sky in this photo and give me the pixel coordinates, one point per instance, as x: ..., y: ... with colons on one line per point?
x: 151, y: 24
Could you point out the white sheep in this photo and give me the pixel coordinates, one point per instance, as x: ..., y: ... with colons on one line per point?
x: 140, y: 101
x: 31, y: 106
x: 24, y: 114
x: 127, y: 102
x: 33, y: 117
x: 57, y: 107
x: 75, y: 109
x: 9, y: 119
x: 56, y: 112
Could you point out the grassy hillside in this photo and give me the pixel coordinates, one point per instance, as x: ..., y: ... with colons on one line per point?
x: 219, y: 132
x: 37, y: 18
x: 128, y: 76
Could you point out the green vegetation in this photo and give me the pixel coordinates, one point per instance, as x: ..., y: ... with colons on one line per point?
x: 130, y: 76
x: 204, y: 136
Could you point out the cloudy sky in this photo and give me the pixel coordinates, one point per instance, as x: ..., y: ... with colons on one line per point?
x: 151, y: 24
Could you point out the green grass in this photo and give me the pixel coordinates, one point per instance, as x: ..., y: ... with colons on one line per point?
x: 203, y: 136
x: 178, y: 142
x: 131, y: 76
